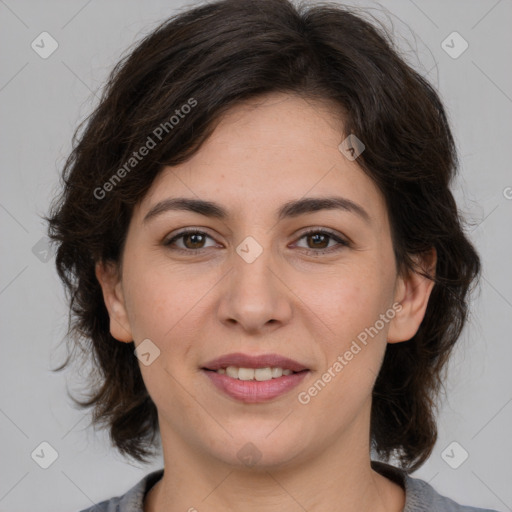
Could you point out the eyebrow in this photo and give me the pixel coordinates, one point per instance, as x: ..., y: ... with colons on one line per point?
x: 289, y: 209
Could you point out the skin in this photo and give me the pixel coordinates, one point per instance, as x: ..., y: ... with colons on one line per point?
x: 309, y: 307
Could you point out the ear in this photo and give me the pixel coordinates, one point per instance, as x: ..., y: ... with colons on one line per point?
x: 109, y: 278
x: 412, y: 293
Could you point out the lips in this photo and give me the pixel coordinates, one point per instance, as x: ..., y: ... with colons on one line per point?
x: 252, y: 391
x: 262, y: 361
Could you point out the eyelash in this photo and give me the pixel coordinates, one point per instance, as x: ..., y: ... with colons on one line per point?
x: 341, y: 242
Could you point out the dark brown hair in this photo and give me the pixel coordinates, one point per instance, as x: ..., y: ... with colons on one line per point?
x: 212, y: 58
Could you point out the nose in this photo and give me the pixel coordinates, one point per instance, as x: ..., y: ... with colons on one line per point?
x: 254, y: 296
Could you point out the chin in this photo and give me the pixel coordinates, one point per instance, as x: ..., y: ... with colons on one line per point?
x: 261, y: 450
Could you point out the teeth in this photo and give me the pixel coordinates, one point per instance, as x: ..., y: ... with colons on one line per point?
x: 245, y: 373
x: 259, y: 374
x: 263, y: 374
x: 232, y: 371
x: 277, y: 372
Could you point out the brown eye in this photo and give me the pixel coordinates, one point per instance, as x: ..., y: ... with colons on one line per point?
x: 192, y: 240
x: 318, y: 241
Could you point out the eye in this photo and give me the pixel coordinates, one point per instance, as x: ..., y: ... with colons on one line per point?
x: 320, y: 239
x: 193, y: 240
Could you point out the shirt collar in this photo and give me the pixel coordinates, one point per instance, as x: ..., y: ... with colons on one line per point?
x: 417, y: 492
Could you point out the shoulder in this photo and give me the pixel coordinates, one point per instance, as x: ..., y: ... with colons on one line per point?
x: 111, y: 505
x: 132, y: 500
x: 419, y: 495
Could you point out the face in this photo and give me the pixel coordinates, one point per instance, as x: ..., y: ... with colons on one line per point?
x: 266, y: 278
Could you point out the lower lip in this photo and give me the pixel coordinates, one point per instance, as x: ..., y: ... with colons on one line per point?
x: 253, y: 391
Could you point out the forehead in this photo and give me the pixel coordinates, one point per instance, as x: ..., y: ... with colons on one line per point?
x: 266, y: 152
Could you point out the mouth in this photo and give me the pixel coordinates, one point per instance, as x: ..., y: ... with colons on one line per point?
x: 257, y: 374
x: 254, y: 379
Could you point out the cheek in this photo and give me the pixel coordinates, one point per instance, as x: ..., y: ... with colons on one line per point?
x: 155, y: 300
x: 354, y: 307
x: 163, y: 307
x: 349, y: 300
x: 168, y: 306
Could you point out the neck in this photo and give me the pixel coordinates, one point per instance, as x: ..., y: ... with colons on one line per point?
x: 336, y: 478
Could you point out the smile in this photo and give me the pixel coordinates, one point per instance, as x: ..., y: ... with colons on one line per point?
x: 254, y: 379
x: 259, y: 374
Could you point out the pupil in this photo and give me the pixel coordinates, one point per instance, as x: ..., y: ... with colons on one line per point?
x: 194, y: 243
x: 316, y: 236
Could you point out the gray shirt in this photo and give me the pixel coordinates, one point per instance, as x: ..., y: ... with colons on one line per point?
x: 419, y: 495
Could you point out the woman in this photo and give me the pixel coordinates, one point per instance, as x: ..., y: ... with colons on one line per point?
x: 266, y: 262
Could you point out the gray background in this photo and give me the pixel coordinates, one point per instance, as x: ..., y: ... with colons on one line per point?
x: 41, y: 102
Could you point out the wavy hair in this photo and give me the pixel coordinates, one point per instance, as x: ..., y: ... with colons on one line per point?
x: 221, y: 54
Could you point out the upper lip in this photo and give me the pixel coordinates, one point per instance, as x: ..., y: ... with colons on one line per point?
x: 262, y: 361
